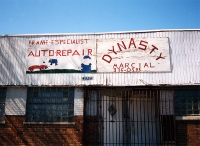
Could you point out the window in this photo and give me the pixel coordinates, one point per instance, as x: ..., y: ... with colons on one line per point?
x: 54, y: 104
x: 187, y: 102
x: 2, y: 103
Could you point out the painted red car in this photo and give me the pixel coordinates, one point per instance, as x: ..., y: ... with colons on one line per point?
x: 40, y: 67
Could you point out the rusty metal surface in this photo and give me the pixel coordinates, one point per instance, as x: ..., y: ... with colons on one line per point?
x: 184, y: 54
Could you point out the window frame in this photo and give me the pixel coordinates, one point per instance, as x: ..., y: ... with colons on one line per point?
x: 3, y: 92
x: 185, y: 100
x: 50, y: 105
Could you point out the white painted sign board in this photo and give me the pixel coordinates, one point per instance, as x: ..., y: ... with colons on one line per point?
x: 61, y: 55
x: 133, y: 55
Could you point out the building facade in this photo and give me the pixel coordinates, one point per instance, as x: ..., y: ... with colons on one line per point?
x: 115, y: 88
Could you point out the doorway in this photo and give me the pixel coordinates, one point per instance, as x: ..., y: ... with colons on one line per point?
x: 120, y: 116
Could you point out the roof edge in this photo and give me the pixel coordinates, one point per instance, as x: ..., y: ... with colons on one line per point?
x: 99, y: 33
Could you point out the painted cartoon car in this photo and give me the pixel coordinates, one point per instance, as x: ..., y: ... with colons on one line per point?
x: 40, y: 67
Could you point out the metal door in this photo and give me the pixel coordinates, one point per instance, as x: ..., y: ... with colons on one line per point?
x: 130, y: 117
x: 112, y: 120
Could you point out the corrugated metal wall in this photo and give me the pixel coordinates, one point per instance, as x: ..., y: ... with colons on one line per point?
x: 184, y: 52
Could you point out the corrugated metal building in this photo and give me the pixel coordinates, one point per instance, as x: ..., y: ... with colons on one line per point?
x: 139, y: 88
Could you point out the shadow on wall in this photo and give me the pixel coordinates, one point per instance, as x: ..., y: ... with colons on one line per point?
x: 16, y: 132
x: 13, y: 59
x: 15, y: 101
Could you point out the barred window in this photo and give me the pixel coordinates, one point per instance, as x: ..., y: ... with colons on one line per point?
x: 2, y: 103
x: 187, y: 102
x: 50, y: 104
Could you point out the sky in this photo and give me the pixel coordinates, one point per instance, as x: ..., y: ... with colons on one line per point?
x: 94, y: 16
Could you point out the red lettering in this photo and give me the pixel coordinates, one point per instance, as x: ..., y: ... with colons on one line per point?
x: 154, y: 48
x: 44, y: 52
x: 128, y: 70
x: 126, y: 65
x: 33, y: 42
x: 123, y: 46
x: 56, y: 42
x: 86, y: 40
x: 63, y: 52
x: 30, y: 54
x: 69, y: 51
x: 51, y: 52
x: 37, y: 43
x: 160, y: 57
x: 89, y: 51
x: 151, y: 66
x: 132, y: 64
x: 114, y: 67
x: 113, y: 50
x: 146, y: 65
x: 68, y: 41
x: 107, y: 58
x: 138, y: 69
x: 83, y: 52
x: 144, y: 44
x: 52, y: 42
x: 121, y: 65
x: 37, y: 55
x: 62, y: 41
x: 58, y: 52
x: 73, y: 42
x: 42, y: 42
x: 132, y: 42
x: 75, y: 53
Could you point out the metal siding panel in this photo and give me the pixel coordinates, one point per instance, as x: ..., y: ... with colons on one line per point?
x: 78, y: 101
x: 184, y: 50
